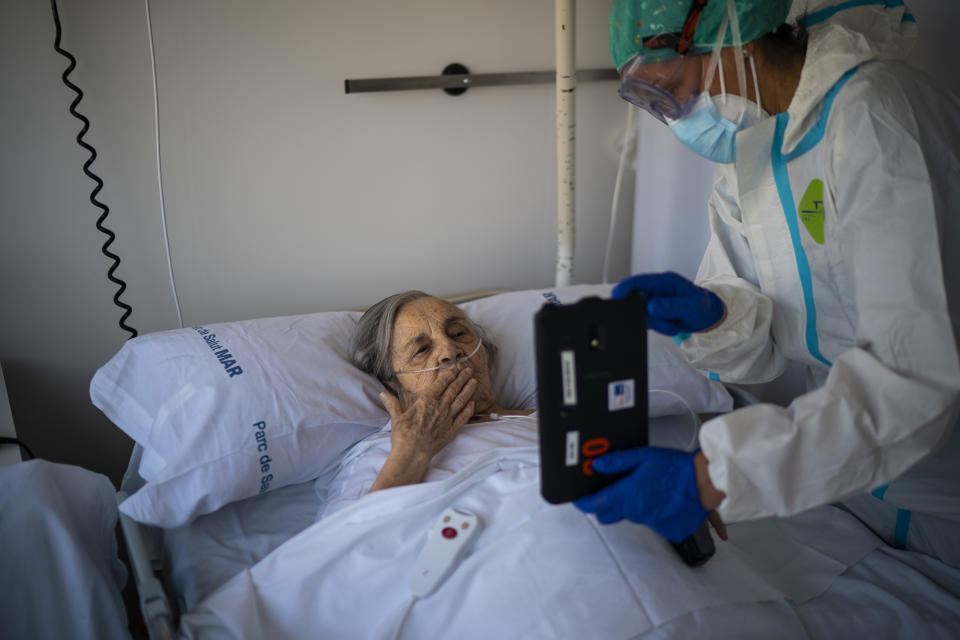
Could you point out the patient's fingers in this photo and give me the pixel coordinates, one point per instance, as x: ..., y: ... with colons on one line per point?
x: 454, y: 389
x: 464, y: 416
x: 439, y: 387
x: 443, y: 379
x: 462, y: 398
x: 392, y: 404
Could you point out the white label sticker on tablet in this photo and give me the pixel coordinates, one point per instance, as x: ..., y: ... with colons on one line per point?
x: 620, y: 395
x: 568, y: 371
x: 573, y: 448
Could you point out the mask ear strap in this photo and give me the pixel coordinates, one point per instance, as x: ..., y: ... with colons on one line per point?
x: 715, y: 57
x: 737, y: 46
x: 756, y: 87
x: 723, y: 81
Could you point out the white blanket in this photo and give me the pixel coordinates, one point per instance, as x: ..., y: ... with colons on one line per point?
x: 60, y: 575
x: 535, y: 570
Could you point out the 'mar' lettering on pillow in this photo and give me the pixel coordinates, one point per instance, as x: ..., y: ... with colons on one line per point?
x: 228, y: 362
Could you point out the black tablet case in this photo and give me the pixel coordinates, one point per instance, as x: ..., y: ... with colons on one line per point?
x: 592, y: 389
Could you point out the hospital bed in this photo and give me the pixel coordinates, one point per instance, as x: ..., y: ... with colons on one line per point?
x: 314, y: 555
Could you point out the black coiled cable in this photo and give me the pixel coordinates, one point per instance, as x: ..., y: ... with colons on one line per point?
x: 121, y: 285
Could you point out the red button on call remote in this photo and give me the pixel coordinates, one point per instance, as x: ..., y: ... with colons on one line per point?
x: 449, y: 532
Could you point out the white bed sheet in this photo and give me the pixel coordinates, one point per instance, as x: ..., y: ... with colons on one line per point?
x: 550, y: 571
x: 888, y: 595
x: 536, y: 570
x: 203, y: 555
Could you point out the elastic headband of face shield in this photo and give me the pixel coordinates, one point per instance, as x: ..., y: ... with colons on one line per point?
x: 448, y: 364
x: 667, y: 87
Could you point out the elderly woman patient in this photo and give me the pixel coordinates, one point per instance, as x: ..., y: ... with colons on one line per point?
x: 437, y: 364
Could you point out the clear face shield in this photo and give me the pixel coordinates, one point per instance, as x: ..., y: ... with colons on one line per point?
x: 665, y: 86
x: 665, y: 89
x: 455, y: 363
x: 669, y: 88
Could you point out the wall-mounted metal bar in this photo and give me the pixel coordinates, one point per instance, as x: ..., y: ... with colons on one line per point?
x: 461, y: 81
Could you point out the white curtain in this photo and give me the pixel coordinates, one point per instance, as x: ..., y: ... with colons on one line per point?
x: 670, y: 230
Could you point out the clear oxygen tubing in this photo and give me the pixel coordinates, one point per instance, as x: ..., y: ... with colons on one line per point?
x: 156, y: 130
x: 403, y: 618
x: 565, y: 29
x: 696, y: 419
x: 493, y: 415
x: 628, y: 136
x: 449, y: 364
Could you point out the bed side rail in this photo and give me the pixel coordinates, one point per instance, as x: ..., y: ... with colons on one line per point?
x: 157, y: 614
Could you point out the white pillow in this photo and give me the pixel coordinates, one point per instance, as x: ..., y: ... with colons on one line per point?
x: 227, y: 411
x: 230, y: 410
x: 508, y: 318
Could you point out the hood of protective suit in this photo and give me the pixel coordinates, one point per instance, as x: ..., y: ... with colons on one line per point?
x: 839, y: 40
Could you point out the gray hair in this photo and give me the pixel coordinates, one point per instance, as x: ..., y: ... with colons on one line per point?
x: 370, y: 344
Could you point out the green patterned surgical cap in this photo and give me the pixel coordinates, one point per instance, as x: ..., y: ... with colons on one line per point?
x: 633, y: 20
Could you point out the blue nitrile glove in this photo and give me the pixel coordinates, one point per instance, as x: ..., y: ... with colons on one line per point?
x: 660, y: 492
x: 674, y: 304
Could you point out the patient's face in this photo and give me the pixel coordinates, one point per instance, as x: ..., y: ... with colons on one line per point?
x: 428, y: 332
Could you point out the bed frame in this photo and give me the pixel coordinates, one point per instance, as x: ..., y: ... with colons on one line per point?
x: 158, y: 616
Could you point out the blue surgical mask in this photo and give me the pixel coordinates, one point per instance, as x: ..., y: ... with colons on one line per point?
x: 712, y: 133
x: 704, y: 131
x: 710, y: 126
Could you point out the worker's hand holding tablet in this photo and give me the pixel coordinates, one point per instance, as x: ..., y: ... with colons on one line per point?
x: 659, y: 491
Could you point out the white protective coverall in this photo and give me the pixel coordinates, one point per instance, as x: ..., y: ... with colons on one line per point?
x: 834, y: 242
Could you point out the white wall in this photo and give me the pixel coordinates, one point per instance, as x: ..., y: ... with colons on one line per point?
x: 283, y: 194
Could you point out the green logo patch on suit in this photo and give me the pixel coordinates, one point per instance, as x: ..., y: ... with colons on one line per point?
x: 811, y: 210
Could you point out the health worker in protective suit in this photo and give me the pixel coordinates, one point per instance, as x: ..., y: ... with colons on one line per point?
x: 835, y: 220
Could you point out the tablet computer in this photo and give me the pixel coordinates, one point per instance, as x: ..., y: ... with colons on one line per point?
x: 591, y: 361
